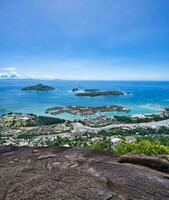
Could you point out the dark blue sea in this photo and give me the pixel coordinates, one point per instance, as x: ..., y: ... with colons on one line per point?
x: 145, y: 97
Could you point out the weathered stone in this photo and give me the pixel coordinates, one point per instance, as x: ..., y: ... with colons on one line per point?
x: 60, y: 174
x: 157, y: 163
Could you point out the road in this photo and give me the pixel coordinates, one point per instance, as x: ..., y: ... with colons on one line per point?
x: 80, y: 128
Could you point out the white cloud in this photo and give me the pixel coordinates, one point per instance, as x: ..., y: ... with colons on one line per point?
x: 11, y: 73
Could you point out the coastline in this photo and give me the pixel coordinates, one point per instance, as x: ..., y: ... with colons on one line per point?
x: 140, y: 102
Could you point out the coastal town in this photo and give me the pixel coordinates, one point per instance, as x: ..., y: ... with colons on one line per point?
x: 31, y: 130
x: 79, y: 110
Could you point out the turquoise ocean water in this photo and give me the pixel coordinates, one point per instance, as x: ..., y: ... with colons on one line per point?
x: 145, y: 98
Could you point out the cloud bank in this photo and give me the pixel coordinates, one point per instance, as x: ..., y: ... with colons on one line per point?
x: 12, y: 73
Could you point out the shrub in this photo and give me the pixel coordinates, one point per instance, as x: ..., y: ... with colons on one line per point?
x: 141, y: 147
x: 105, y: 145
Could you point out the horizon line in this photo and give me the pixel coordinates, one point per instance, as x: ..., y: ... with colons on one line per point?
x: 57, y: 79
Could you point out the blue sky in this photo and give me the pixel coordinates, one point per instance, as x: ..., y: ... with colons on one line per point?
x: 85, y: 39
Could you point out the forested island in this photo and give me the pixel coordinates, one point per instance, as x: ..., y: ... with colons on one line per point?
x: 38, y: 88
x: 96, y: 93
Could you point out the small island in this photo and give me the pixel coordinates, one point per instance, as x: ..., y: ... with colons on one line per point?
x: 38, y: 88
x: 94, y: 93
x: 97, y: 92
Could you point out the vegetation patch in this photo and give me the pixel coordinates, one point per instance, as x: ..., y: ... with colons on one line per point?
x: 38, y: 88
x: 141, y: 147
